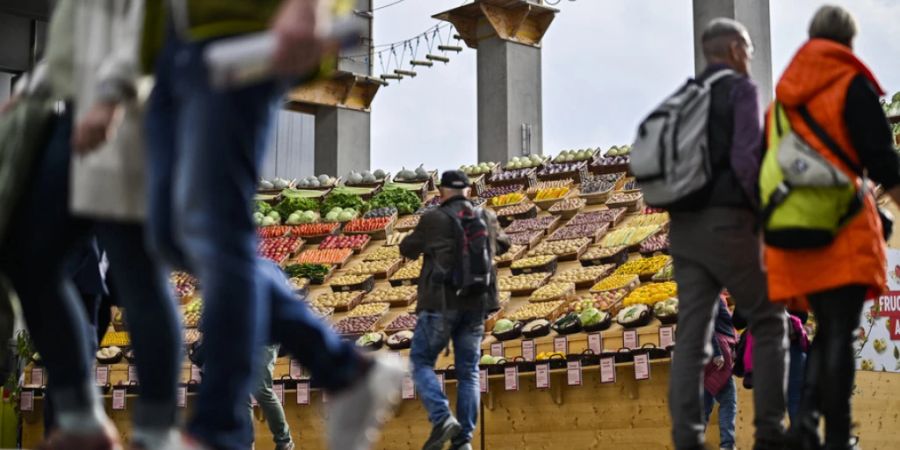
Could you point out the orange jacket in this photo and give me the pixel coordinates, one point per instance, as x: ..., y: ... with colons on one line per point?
x: 818, y: 77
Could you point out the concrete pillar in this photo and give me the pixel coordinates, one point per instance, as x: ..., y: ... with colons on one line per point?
x: 343, y: 140
x: 507, y: 35
x: 754, y: 14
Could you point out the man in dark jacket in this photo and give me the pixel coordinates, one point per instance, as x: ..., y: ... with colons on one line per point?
x: 443, y: 315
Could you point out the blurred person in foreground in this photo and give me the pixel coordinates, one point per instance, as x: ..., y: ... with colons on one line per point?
x: 205, y: 149
x: 92, y: 65
x: 841, y: 95
x: 718, y: 380
x: 444, y: 314
x: 269, y: 403
x: 716, y: 246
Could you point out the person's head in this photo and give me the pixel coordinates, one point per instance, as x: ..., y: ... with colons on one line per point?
x: 835, y: 24
x: 454, y: 183
x: 727, y: 41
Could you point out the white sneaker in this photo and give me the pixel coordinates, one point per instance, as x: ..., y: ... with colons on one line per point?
x: 356, y: 415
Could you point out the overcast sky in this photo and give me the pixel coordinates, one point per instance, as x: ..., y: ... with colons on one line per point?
x: 605, y: 64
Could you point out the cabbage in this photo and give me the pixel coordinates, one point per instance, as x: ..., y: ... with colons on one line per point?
x: 503, y: 325
x: 347, y: 214
x: 590, y: 316
x: 487, y: 360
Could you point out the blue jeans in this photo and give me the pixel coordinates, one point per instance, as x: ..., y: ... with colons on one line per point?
x: 265, y: 396
x: 727, y: 400
x: 796, y: 380
x: 433, y: 332
x: 205, y: 148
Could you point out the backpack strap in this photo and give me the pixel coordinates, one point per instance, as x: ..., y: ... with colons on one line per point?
x: 715, y: 77
x: 828, y: 141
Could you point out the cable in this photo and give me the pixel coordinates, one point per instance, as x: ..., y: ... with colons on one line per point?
x: 387, y: 6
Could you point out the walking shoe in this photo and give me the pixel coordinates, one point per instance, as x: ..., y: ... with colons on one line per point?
x: 356, y: 414
x: 441, y: 433
x: 286, y: 446
x: 463, y: 446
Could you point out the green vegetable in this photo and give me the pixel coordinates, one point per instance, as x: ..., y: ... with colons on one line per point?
x: 404, y: 200
x: 503, y: 325
x: 289, y: 205
x: 590, y: 316
x: 315, y: 272
x: 343, y: 200
x: 262, y: 207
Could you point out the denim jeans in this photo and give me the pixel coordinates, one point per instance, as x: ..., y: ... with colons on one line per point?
x: 727, y: 400
x: 434, y: 331
x: 796, y: 378
x: 268, y: 402
x: 205, y: 149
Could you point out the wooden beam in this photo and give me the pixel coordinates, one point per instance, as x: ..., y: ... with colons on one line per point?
x: 344, y: 90
x: 512, y: 20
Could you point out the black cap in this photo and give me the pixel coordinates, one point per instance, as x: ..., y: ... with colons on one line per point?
x: 454, y: 179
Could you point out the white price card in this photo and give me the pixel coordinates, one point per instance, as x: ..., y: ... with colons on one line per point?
x: 573, y: 369
x: 642, y: 366
x: 440, y: 378
x: 26, y: 401
x: 483, y: 383
x: 278, y: 389
x: 296, y: 371
x: 528, y: 349
x: 630, y: 339
x: 542, y: 375
x: 408, y: 390
x: 37, y: 376
x: 132, y: 374
x: 195, y: 373
x: 511, y: 378
x: 102, y: 375
x: 118, y: 399
x: 666, y: 336
x: 561, y: 345
x: 497, y: 349
x: 303, y: 393
x: 608, y: 370
x: 595, y: 343
x: 182, y: 396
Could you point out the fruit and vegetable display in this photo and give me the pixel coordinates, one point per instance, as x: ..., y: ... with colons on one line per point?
x: 633, y: 315
x: 583, y: 274
x: 478, y: 169
x: 624, y: 198
x: 388, y: 294
x: 301, y: 193
x: 525, y: 238
x: 656, y: 243
x: 560, y: 248
x: 628, y: 236
x: 535, y: 261
x: 507, y: 199
x: 505, y: 329
x: 353, y: 241
x: 622, y: 150
x: 301, y: 217
x: 514, y: 252
x: 190, y: 336
x: 397, y: 237
x: 651, y: 293
x: 540, y: 223
x: 568, y: 204
x: 314, y: 229
x: 574, y: 155
x: 630, y: 185
x: 552, y: 291
x: 611, y: 161
x: 115, y: 338
x: 316, y: 273
x: 382, y: 253
x: 616, y: 281
x: 298, y: 284
x: 332, y: 256
x: 365, y: 177
x: 524, y: 282
x: 644, y: 266
x: 275, y: 183
x: 536, y: 328
x: 402, y: 322
x: 316, y: 182
x: 192, y: 312
x: 343, y: 200
x: 403, y: 200
x: 648, y: 219
x: 371, y: 341
x: 584, y: 230
x: 340, y: 300
x: 278, y: 249
x: 384, y: 266
x: 183, y: 283
x: 525, y: 162
x: 291, y: 205
x: 546, y: 356
x: 407, y: 222
x: 400, y: 340
x: 268, y: 220
x: 666, y: 308
x: 350, y: 279
x: 109, y: 355
x: 497, y: 191
x: 597, y: 253
x: 516, y: 210
x: 384, y: 211
x: 539, y: 310
x: 511, y: 175
x: 610, y: 300
x: 591, y: 317
x: 596, y: 186
x: 410, y: 271
x: 338, y: 214
x: 406, y: 175
x: 567, y: 324
x: 368, y: 225
x: 551, y: 193
x: 611, y: 215
x: 560, y: 168
x: 667, y: 273
x: 588, y: 301
x: 549, y: 184
x: 369, y: 309
x: 351, y: 326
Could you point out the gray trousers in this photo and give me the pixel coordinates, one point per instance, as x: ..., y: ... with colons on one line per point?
x: 713, y: 249
x: 267, y: 400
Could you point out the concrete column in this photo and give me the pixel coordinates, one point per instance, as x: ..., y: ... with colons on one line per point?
x: 343, y: 140
x: 754, y: 14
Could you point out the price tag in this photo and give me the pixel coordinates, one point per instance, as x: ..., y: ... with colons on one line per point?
x: 542, y: 375
x: 195, y: 373
x: 181, y: 398
x: 253, y: 402
x: 630, y: 339
x: 573, y: 368
x: 118, y: 399
x: 528, y: 349
x: 102, y: 375
x: 37, y: 376
x: 595, y: 343
x: 278, y: 389
x: 408, y: 389
x: 608, y: 370
x: 561, y: 345
x: 642, y: 366
x: 483, y: 381
x: 497, y: 349
x: 296, y: 370
x: 132, y: 374
x: 303, y: 393
x: 666, y: 336
x: 26, y: 401
x: 511, y: 378
x: 440, y: 378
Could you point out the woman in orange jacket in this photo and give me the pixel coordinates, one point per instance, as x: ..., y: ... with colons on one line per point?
x: 841, y: 95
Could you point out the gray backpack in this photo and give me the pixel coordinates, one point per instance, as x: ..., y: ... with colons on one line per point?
x: 670, y: 157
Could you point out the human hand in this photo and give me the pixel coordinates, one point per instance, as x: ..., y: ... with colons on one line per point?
x: 95, y: 127
x: 719, y: 362
x: 298, y: 42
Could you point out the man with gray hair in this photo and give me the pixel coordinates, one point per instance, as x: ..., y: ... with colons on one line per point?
x: 715, y: 246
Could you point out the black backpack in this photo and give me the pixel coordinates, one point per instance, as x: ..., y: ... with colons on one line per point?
x: 472, y: 267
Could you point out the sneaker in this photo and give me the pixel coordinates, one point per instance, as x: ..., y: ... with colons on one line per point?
x: 441, y: 433
x: 287, y: 446
x: 355, y: 415
x: 465, y: 446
